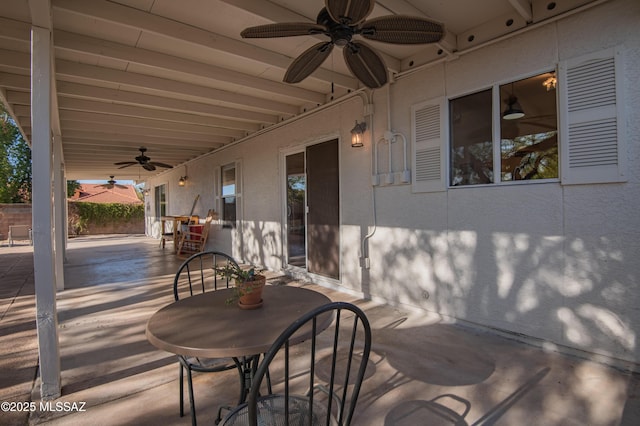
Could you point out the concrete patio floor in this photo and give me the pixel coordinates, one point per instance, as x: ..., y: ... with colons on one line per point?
x: 422, y: 369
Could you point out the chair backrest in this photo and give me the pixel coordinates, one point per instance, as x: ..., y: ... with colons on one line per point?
x: 211, y: 214
x: 194, y: 237
x: 197, y: 274
x: 329, y: 373
x: 20, y: 232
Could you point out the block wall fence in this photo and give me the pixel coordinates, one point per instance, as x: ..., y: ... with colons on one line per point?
x: 20, y: 214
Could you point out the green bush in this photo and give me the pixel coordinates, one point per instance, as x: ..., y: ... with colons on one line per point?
x: 82, y: 213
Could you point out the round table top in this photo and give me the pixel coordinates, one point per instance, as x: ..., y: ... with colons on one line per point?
x: 204, y: 325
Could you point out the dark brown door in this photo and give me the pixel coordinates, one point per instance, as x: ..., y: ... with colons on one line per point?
x: 323, y: 216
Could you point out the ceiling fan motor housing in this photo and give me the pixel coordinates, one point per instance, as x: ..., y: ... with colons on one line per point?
x: 340, y: 33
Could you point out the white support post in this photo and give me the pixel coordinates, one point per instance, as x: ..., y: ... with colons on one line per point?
x: 59, y: 212
x: 44, y: 265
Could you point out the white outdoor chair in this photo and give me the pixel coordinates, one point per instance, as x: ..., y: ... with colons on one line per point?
x: 20, y: 232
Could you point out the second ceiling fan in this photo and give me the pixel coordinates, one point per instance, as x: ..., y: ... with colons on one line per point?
x: 143, y: 161
x: 340, y: 20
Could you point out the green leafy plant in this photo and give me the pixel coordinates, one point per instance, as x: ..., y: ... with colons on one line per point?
x: 101, y: 213
x: 240, y: 277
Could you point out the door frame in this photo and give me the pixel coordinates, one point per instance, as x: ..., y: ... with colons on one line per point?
x: 294, y: 271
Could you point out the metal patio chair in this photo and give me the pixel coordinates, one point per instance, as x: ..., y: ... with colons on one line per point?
x: 197, y: 274
x: 318, y: 380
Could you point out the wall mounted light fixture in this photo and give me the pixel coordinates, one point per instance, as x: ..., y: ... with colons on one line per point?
x: 357, y: 134
x: 183, y: 179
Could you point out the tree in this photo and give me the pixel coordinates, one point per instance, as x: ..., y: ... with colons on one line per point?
x: 72, y: 185
x: 15, y: 162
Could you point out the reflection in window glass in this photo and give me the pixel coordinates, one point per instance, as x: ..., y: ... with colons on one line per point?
x: 228, y: 180
x: 529, y: 145
x: 471, y: 139
x: 296, y: 209
x: 530, y: 157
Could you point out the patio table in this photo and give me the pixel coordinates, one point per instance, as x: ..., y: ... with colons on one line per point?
x: 176, y: 221
x: 204, y: 325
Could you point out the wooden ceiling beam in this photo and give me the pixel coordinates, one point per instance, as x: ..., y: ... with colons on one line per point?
x: 76, y: 104
x: 144, y: 123
x: 108, y: 49
x: 155, y: 24
x: 69, y: 70
x: 161, y: 102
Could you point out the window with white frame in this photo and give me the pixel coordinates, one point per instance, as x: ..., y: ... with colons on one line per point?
x: 229, y: 194
x: 563, y: 126
x: 160, y: 193
x: 523, y: 146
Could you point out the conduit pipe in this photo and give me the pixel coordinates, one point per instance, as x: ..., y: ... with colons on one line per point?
x: 364, y: 251
x: 391, y: 137
x: 522, y: 30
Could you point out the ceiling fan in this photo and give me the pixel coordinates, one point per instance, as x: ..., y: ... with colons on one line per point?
x: 111, y: 183
x: 340, y: 20
x: 144, y: 161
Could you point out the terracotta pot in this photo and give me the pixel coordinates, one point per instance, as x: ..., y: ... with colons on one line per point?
x: 251, y: 292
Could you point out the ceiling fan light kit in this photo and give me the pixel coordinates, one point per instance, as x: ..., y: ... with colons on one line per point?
x: 341, y: 20
x: 514, y: 110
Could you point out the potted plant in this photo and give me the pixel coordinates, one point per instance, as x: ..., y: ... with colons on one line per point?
x: 248, y: 285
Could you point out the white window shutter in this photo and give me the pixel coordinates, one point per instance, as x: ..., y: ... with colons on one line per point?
x: 427, y: 151
x: 590, y: 119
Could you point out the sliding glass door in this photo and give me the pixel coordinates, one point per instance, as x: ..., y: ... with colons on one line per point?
x: 313, y: 209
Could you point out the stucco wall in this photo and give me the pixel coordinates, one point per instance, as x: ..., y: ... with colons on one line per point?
x: 550, y: 261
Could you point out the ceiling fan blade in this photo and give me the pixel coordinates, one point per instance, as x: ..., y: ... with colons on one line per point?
x: 128, y: 163
x: 285, y: 29
x: 349, y: 12
x: 155, y: 163
x: 148, y: 166
x: 308, y: 62
x: 365, y: 64
x: 400, y: 29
